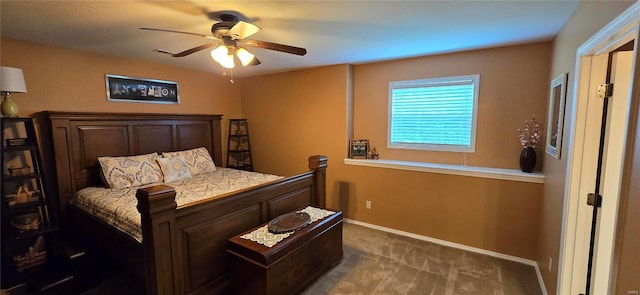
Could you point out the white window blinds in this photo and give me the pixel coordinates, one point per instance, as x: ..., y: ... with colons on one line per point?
x: 433, y: 114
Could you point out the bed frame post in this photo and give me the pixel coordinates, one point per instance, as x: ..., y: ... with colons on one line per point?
x: 157, y: 207
x: 318, y: 164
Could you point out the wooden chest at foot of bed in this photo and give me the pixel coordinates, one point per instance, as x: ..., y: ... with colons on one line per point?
x: 288, y: 266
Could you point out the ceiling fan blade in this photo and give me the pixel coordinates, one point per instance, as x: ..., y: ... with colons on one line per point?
x: 243, y: 30
x: 164, y: 51
x: 180, y: 32
x: 254, y: 62
x: 193, y: 50
x: 276, y: 47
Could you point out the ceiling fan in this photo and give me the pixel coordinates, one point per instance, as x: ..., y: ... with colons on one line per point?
x: 231, y: 35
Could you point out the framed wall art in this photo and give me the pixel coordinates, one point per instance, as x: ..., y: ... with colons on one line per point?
x: 555, y: 119
x: 128, y: 89
x: 358, y: 148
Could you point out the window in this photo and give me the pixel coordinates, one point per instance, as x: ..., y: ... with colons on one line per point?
x: 434, y: 114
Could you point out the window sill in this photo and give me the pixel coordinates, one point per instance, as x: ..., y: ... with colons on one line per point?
x: 483, y: 172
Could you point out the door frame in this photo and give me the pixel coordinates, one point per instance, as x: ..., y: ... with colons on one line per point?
x: 621, y: 30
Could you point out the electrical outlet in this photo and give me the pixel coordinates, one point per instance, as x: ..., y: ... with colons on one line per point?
x: 550, y: 263
x: 368, y: 204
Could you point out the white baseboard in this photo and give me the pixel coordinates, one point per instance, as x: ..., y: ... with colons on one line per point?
x: 457, y: 246
x: 540, y: 280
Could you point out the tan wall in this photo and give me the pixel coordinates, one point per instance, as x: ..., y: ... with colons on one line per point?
x: 496, y: 215
x: 590, y: 17
x: 513, y: 86
x: 296, y: 114
x: 293, y: 115
x: 61, y: 79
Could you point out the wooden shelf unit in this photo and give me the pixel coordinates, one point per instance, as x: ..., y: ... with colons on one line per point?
x: 26, y: 252
x: 239, y: 145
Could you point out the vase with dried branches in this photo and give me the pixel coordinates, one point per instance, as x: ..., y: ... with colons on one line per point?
x: 529, y: 137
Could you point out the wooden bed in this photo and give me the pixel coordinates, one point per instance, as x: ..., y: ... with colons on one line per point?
x: 184, y: 248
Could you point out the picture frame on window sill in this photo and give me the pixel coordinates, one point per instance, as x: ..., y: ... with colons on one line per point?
x: 358, y: 148
x: 555, y: 119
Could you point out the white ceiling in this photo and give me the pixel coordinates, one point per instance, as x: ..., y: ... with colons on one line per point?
x: 333, y: 32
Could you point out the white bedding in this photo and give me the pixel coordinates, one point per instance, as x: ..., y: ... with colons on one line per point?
x: 118, y: 206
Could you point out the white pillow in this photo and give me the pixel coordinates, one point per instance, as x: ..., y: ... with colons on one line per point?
x: 124, y: 172
x: 174, y: 168
x: 198, y: 160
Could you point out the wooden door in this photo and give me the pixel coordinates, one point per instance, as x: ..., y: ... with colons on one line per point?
x: 627, y: 250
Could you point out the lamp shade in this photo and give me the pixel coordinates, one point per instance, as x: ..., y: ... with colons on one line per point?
x: 12, y: 80
x: 222, y: 56
x: 244, y: 56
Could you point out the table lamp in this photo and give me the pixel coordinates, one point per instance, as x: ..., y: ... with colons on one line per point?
x: 11, y: 80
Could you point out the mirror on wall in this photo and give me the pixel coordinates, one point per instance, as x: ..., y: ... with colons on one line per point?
x: 555, y: 119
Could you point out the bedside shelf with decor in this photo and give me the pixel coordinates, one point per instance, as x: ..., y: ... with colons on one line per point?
x: 239, y: 146
x: 31, y: 238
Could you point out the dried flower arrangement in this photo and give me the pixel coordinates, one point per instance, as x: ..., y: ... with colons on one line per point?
x: 530, y: 135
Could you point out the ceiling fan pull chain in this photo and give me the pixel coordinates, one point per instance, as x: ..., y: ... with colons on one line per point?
x: 231, y: 80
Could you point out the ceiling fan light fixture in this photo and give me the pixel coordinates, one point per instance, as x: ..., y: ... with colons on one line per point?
x: 244, y: 56
x: 231, y: 34
x: 222, y: 56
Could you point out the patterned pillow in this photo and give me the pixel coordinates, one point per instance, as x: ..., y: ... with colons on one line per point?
x: 124, y: 172
x: 198, y: 160
x: 174, y: 168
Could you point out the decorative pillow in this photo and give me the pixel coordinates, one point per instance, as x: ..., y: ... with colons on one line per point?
x: 124, y: 172
x: 103, y: 178
x: 174, y: 168
x: 198, y: 160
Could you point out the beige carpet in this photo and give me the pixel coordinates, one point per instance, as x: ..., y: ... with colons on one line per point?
x: 377, y: 262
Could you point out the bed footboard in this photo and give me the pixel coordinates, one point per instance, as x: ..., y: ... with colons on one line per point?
x: 185, y: 247
x: 157, y: 206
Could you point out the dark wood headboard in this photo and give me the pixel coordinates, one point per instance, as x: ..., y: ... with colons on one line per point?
x: 78, y: 139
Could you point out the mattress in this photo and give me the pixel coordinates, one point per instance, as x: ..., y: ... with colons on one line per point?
x: 118, y: 206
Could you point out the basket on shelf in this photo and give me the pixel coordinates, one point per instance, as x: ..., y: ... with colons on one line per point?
x: 25, y: 222
x: 19, y: 171
x: 36, y: 255
x: 23, y: 195
x: 30, y: 259
x: 13, y: 199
